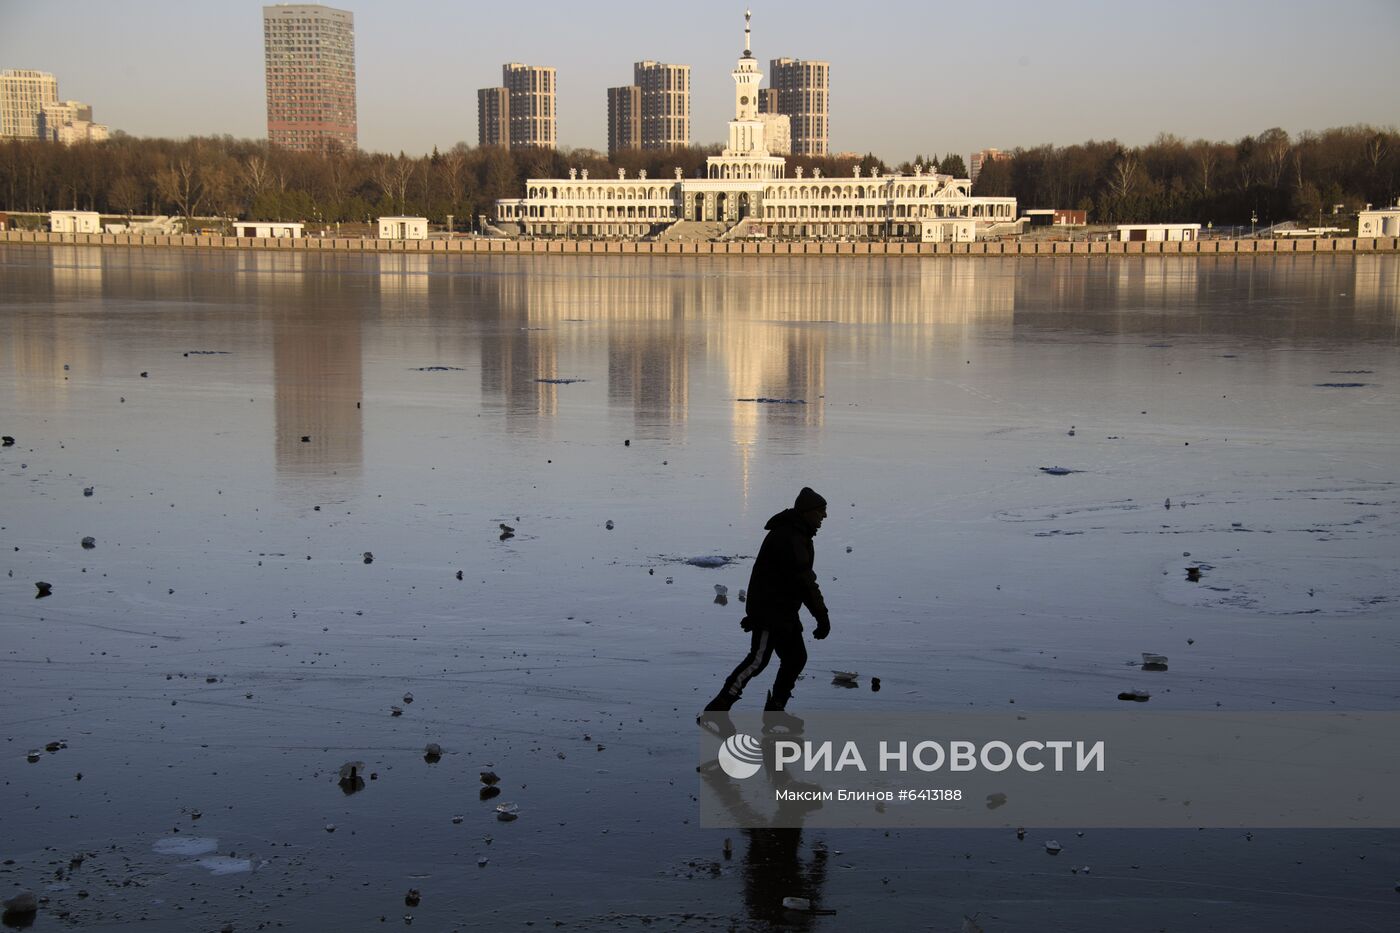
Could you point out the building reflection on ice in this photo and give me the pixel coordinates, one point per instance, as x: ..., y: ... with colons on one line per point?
x: 1376, y: 287
x: 317, y: 353
x: 77, y: 272
x: 681, y: 339
x: 402, y: 279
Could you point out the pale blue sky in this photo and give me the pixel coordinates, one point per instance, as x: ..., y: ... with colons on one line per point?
x: 907, y: 77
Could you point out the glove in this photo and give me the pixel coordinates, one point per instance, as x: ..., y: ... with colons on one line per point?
x: 823, y: 629
x: 746, y: 624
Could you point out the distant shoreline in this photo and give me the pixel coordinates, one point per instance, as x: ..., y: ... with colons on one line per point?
x: 471, y: 246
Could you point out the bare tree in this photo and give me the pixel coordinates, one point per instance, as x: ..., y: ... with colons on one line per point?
x: 257, y: 176
x: 182, y: 185
x: 126, y: 195
x: 1207, y: 157
x: 393, y: 177
x: 1273, y: 150
x: 1123, y: 176
x: 1376, y: 150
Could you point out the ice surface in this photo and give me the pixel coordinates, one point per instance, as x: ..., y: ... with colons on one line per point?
x: 185, y: 845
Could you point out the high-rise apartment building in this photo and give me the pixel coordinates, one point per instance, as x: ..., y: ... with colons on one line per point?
x: 23, y: 94
x: 309, y: 52
x: 522, y: 112
x: 624, y: 118
x: 803, y: 92
x: 493, y: 117
x: 534, y: 115
x: 665, y: 94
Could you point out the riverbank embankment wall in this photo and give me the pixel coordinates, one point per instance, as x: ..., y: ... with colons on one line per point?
x: 804, y: 248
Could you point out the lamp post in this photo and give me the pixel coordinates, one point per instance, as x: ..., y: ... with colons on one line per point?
x: 1253, y: 219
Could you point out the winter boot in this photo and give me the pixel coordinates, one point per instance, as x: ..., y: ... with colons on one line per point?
x: 776, y: 719
x: 717, y: 723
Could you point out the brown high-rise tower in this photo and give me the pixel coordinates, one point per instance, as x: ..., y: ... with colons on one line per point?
x: 310, y: 60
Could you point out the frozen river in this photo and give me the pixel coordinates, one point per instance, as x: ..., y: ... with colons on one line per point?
x: 252, y: 423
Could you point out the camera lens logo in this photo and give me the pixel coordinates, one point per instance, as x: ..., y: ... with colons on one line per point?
x: 741, y: 756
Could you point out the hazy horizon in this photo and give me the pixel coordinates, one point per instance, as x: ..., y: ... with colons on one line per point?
x: 906, y: 78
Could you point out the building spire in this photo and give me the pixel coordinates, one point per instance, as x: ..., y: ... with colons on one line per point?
x: 748, y: 51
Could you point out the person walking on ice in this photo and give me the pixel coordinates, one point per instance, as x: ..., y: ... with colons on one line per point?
x: 782, y: 582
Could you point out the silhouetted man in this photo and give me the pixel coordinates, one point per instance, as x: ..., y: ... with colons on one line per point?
x: 782, y: 582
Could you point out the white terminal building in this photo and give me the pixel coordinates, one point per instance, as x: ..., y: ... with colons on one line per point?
x: 746, y: 193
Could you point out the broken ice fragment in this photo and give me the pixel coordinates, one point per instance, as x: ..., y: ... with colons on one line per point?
x: 796, y: 903
x: 1154, y: 662
x: 432, y: 752
x: 1137, y: 696
x: 1052, y: 847
x: 844, y: 677
x: 506, y: 812
x: 369, y: 557
x: 608, y: 524
x: 1057, y: 470
x: 396, y: 711
x: 45, y: 589
x: 490, y: 777
x: 20, y: 906
x: 89, y: 543
x: 87, y: 490
x: 351, y: 777
x: 709, y: 561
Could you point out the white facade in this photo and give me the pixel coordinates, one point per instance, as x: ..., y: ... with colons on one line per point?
x: 1158, y: 233
x: 23, y: 94
x: 75, y: 222
x: 747, y: 181
x: 403, y: 228
x: 1384, y: 222
x: 947, y: 231
x: 263, y: 229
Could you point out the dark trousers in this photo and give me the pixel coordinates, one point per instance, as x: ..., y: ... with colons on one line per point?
x: 782, y: 639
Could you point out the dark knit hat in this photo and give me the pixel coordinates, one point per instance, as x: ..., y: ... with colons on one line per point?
x: 808, y: 500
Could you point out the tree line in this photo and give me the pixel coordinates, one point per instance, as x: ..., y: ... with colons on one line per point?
x: 1272, y: 176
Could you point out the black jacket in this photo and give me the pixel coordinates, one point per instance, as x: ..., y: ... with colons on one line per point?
x: 783, y: 579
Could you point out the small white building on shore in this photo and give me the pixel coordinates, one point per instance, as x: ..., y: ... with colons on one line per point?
x: 276, y: 228
x: 403, y: 228
x: 75, y: 222
x: 1158, y: 233
x: 1383, y: 222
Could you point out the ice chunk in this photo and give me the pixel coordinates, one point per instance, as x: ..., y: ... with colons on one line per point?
x: 709, y: 561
